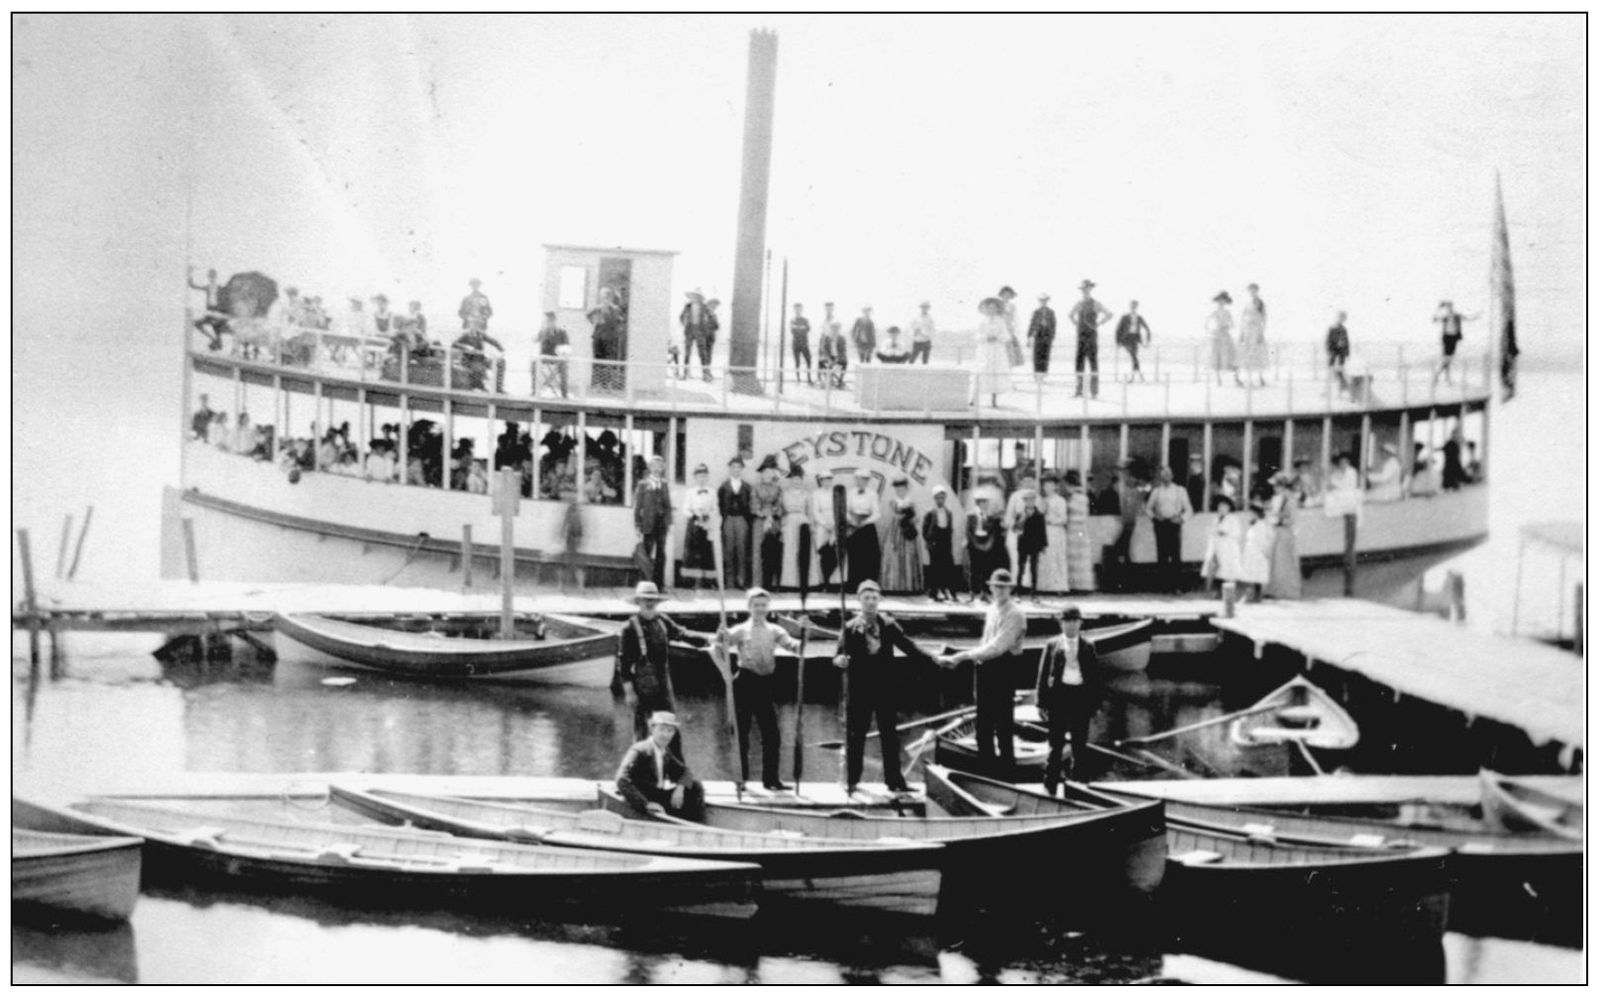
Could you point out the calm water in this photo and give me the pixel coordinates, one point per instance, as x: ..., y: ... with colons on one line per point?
x: 119, y: 714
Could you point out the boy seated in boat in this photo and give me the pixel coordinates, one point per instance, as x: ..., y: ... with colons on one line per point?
x: 653, y: 779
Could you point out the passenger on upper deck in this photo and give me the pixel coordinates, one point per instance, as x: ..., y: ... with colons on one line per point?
x: 798, y: 333
x: 1253, y: 335
x: 1041, y: 336
x: 211, y: 323
x: 382, y: 314
x: 864, y: 335
x: 475, y: 309
x: 201, y: 421
x: 894, y: 352
x: 993, y: 352
x: 1220, y: 327
x: 922, y: 329
x: 1338, y: 348
x: 1086, y: 317
x: 1131, y: 332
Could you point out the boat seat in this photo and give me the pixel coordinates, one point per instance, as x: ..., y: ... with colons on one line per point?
x: 786, y: 833
x: 894, y: 840
x: 1299, y: 716
x: 996, y: 809
x: 847, y: 813
x: 204, y: 837
x: 1198, y: 857
x: 600, y: 820
x: 1259, y: 831
x: 336, y: 853
x: 524, y: 833
x: 1371, y: 840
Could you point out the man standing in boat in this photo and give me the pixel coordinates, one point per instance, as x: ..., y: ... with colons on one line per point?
x: 753, y: 685
x: 1065, y: 701
x: 1003, y: 632
x: 865, y: 650
x: 644, y: 656
x: 653, y: 514
x: 653, y: 777
x: 738, y: 507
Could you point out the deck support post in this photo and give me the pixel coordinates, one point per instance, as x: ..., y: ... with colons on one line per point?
x: 318, y: 421
x: 1037, y: 451
x: 580, y: 457
x: 628, y: 498
x: 1082, y: 459
x: 1366, y: 459
x: 1244, y: 477
x: 1327, y: 447
x: 671, y: 454
x: 1206, y: 468
x: 1121, y: 444
x: 403, y: 427
x: 466, y: 556
x: 448, y: 441
x: 1288, y: 445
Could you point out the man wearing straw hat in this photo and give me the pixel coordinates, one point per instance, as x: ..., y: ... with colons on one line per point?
x: 1087, y: 316
x: 753, y: 686
x: 865, y: 650
x: 1003, y: 632
x: 653, y: 777
x: 644, y: 655
x: 1064, y: 699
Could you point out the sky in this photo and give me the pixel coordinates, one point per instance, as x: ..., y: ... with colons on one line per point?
x: 1339, y: 161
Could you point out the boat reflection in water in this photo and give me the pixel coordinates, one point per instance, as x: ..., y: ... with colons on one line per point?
x: 49, y: 953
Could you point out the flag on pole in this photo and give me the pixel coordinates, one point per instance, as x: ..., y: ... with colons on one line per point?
x: 1503, y: 308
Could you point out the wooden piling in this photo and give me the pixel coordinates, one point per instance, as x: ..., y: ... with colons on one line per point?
x: 78, y: 550
x: 61, y: 552
x: 188, y: 527
x: 30, y: 597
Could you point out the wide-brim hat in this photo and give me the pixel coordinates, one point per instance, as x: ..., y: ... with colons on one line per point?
x: 1043, y: 296
x: 647, y: 590
x: 769, y: 462
x: 1223, y: 298
x: 1086, y: 285
x: 1001, y: 578
x: 1007, y: 289
x: 990, y: 305
x: 663, y: 718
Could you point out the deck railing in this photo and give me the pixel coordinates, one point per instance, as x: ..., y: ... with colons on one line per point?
x: 1177, y: 380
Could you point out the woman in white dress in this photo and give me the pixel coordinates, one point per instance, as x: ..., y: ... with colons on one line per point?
x: 992, y: 352
x: 797, y: 549
x: 1255, y: 559
x: 1053, y: 577
x: 1079, y: 548
x: 1223, y: 550
x: 1253, y: 335
x: 1220, y: 327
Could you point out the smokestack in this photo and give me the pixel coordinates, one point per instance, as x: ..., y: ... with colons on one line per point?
x: 747, y: 280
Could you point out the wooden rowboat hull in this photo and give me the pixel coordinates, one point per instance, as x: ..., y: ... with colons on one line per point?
x: 1334, y: 728
x: 61, y: 876
x: 879, y: 877
x: 574, y: 652
x: 594, y: 882
x: 1123, y: 648
x: 1517, y: 807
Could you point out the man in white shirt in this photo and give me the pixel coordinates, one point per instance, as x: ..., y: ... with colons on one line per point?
x: 921, y: 329
x: 653, y: 780
x: 1168, y: 507
x: 1003, y: 632
x: 754, y: 643
x: 1065, y: 700
x: 823, y: 524
x: 864, y: 547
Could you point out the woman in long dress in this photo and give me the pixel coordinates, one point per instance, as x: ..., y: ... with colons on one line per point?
x: 697, y: 555
x: 992, y: 352
x: 1255, y: 559
x: 1284, y: 581
x: 1223, y: 550
x: 1079, y: 549
x: 901, y: 549
x: 798, y: 547
x: 1220, y: 326
x: 1052, y: 575
x: 1253, y: 335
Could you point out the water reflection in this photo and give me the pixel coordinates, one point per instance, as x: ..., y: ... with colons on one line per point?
x: 86, y: 955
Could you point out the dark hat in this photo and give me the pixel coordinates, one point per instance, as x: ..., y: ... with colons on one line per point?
x: 1253, y: 286
x: 1001, y: 578
x: 1086, y: 285
x: 1071, y: 613
x: 795, y: 470
x: 735, y: 461
x: 865, y: 585
x: 901, y: 482
x: 1007, y: 289
x: 768, y: 462
x: 1223, y: 298
x: 700, y: 468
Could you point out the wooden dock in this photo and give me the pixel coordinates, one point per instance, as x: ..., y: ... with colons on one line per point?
x: 1526, y: 684
x: 177, y: 604
x: 1338, y: 789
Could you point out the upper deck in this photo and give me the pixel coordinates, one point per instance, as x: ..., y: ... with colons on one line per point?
x: 1178, y: 385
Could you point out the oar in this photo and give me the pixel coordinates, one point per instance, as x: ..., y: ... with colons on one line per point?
x: 839, y: 513
x: 936, y: 719
x: 1219, y: 719
x: 1124, y: 757
x: 1305, y: 753
x: 797, y: 710
x: 723, y: 663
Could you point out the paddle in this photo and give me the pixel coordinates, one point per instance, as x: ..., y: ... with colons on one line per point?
x: 839, y: 513
x: 1219, y: 719
x: 722, y: 661
x: 797, y: 710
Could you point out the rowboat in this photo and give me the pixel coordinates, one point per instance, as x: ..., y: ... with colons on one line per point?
x: 1297, y: 712
x: 882, y: 875
x: 955, y: 747
x: 1519, y: 807
x: 1095, y: 862
x: 58, y: 875
x: 1242, y: 891
x: 386, y: 864
x: 1124, y: 648
x: 554, y: 649
x: 1521, y: 886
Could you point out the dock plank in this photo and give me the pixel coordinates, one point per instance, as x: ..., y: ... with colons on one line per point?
x: 1339, y: 789
x: 1519, y: 682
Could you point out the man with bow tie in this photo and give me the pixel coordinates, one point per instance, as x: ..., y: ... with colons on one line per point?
x: 653, y: 513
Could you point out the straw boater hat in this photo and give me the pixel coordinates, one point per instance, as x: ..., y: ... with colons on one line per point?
x: 647, y: 590
x: 663, y: 718
x: 696, y: 291
x: 939, y: 489
x: 865, y: 585
x: 1001, y: 578
x: 1043, y: 296
x: 757, y: 592
x: 1223, y: 298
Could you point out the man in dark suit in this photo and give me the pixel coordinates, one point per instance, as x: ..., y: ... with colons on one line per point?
x: 1041, y: 335
x: 1065, y: 701
x: 654, y: 779
x: 864, y: 335
x: 653, y: 513
x: 865, y: 650
x: 739, y: 505
x: 1131, y: 332
x: 937, y: 529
